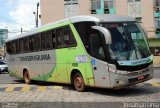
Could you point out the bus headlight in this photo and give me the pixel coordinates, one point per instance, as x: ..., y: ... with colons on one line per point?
x: 122, y: 72
x: 118, y: 71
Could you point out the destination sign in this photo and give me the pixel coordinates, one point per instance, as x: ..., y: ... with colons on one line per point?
x: 35, y: 57
x: 136, y: 62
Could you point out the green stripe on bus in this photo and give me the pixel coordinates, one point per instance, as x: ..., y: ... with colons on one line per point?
x: 45, y: 77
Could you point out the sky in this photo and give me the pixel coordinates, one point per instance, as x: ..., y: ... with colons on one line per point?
x: 15, y: 14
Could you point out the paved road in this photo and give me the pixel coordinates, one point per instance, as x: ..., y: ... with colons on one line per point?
x: 13, y: 90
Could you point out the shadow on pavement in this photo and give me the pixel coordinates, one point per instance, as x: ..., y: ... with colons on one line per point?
x: 130, y: 91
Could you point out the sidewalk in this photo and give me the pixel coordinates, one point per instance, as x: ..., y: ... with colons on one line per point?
x: 156, y: 61
x: 156, y: 65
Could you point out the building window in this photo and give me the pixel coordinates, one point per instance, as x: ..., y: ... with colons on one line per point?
x: 157, y: 22
x: 157, y: 26
x: 102, y: 7
x: 95, y: 4
x: 108, y: 6
x: 134, y: 0
x: 157, y: 3
x: 157, y: 6
x: 134, y: 8
x: 71, y: 8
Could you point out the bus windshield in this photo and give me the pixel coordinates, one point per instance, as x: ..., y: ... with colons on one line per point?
x: 128, y: 41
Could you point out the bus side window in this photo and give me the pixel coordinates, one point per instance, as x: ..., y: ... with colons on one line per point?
x: 17, y: 46
x: 8, y: 45
x: 43, y: 41
x: 31, y: 43
x: 25, y: 44
x: 54, y: 39
x: 21, y: 45
x: 48, y: 40
x: 65, y: 38
x: 13, y: 47
x: 37, y: 42
x: 59, y: 40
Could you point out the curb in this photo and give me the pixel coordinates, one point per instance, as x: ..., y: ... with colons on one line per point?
x: 156, y: 65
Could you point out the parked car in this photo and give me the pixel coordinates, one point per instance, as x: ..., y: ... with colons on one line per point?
x: 3, y: 67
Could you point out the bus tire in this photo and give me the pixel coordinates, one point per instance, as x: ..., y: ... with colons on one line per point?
x: 78, y: 82
x: 26, y: 77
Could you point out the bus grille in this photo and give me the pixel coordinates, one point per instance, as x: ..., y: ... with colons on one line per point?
x: 132, y: 80
x: 132, y: 74
x: 135, y: 73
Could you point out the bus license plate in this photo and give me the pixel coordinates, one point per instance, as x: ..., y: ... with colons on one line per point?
x: 140, y: 77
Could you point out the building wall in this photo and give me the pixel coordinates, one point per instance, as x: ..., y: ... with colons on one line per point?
x: 147, y: 14
x: 84, y: 7
x: 121, y: 7
x: 148, y: 17
x: 51, y: 10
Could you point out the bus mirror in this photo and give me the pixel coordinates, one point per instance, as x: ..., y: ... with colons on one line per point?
x: 105, y: 32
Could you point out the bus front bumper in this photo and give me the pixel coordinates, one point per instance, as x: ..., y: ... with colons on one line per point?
x: 120, y: 81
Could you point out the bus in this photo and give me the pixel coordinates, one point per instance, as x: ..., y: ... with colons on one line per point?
x: 104, y: 51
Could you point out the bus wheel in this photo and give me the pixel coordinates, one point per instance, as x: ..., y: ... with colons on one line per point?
x: 26, y: 77
x: 78, y: 82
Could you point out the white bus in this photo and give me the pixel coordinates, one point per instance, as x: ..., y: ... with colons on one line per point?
x: 106, y: 51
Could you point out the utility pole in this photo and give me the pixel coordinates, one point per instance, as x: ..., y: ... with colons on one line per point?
x: 36, y: 15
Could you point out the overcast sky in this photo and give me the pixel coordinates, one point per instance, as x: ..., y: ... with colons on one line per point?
x: 15, y: 14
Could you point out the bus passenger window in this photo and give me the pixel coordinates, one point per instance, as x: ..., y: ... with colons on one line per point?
x: 65, y: 38
x: 8, y: 45
x: 48, y: 40
x: 17, y: 46
x: 13, y: 47
x: 37, y: 42
x: 59, y: 36
x: 54, y: 39
x: 32, y: 43
x: 25, y: 45
x: 21, y: 45
x: 42, y: 41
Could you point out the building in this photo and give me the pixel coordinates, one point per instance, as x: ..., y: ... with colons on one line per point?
x: 3, y: 37
x: 145, y: 11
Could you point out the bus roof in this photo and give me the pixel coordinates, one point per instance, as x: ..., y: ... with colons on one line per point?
x: 84, y: 18
x: 102, y: 18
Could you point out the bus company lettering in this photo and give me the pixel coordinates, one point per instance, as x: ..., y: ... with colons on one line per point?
x: 141, y: 61
x: 35, y: 57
